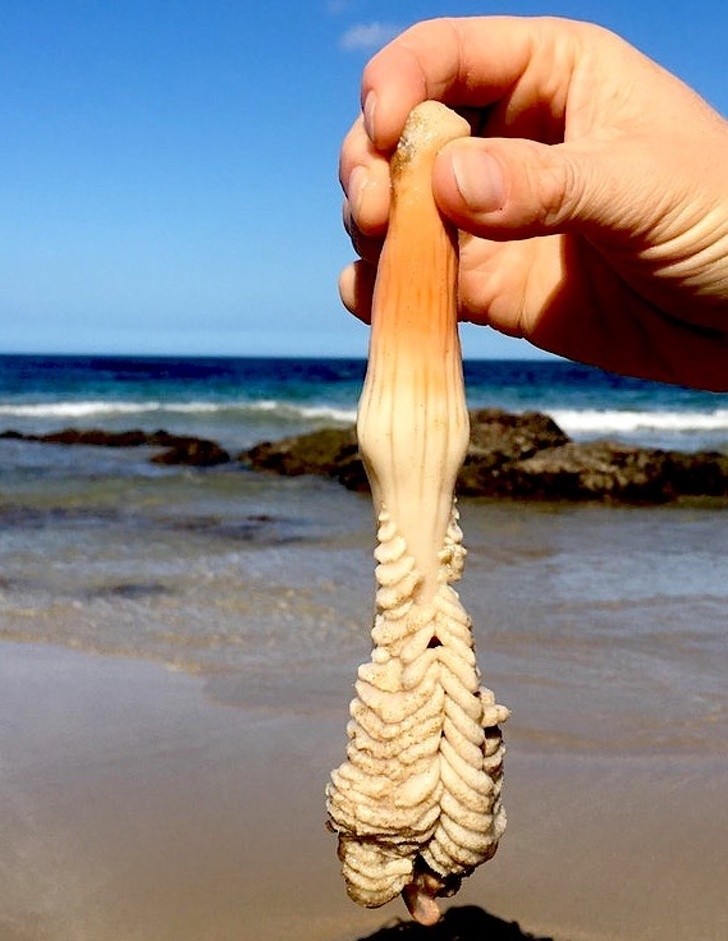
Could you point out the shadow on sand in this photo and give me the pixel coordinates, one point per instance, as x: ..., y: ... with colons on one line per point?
x: 467, y: 923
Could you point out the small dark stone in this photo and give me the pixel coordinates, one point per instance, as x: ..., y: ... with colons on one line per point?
x: 133, y: 590
x: 459, y: 923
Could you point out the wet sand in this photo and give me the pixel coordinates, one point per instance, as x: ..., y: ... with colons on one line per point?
x: 142, y: 804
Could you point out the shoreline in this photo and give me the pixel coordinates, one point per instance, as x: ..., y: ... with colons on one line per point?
x: 137, y: 802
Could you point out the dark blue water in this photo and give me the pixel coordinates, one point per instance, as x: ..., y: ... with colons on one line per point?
x: 242, y: 400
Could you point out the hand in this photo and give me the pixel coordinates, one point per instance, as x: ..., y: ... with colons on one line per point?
x: 593, y: 208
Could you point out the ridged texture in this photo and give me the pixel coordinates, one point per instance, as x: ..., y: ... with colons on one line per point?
x: 423, y: 777
x: 417, y: 803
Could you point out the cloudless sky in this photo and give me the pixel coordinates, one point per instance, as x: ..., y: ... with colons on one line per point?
x: 168, y: 167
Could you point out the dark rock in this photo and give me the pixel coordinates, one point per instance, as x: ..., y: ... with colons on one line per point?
x: 591, y: 471
x: 330, y: 452
x: 520, y: 456
x: 704, y: 473
x: 523, y: 457
x: 499, y: 438
x: 606, y: 471
x: 195, y: 452
x: 95, y: 437
x: 181, y: 449
x: 458, y: 923
x: 133, y: 590
x: 514, y: 436
x: 165, y: 439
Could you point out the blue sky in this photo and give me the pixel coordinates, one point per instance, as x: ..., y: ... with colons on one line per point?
x: 168, y: 169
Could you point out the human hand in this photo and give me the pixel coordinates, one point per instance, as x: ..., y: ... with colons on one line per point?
x: 593, y: 209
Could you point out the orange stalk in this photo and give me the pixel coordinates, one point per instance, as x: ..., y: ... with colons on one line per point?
x: 413, y: 421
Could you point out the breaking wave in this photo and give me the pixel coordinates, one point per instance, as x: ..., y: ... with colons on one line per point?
x: 105, y: 409
x: 605, y: 421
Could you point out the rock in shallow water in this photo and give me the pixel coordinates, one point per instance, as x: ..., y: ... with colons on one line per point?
x: 524, y: 456
x: 329, y: 452
x: 181, y: 449
x: 194, y: 452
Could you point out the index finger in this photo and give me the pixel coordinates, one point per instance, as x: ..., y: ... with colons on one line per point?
x: 464, y: 62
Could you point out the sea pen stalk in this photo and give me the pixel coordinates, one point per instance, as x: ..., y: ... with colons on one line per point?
x: 413, y: 421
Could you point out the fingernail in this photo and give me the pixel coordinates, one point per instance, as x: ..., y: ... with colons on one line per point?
x: 355, y: 189
x: 479, y: 179
x: 370, y: 106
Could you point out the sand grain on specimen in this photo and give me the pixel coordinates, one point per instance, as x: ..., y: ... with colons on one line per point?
x: 417, y: 805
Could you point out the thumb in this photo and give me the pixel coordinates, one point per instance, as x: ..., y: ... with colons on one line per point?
x: 508, y: 188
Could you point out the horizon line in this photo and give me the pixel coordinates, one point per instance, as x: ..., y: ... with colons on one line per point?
x: 546, y: 358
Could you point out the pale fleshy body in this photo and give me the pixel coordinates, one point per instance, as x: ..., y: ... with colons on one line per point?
x: 417, y: 803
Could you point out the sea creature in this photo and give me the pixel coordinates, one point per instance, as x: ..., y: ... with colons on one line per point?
x: 417, y: 804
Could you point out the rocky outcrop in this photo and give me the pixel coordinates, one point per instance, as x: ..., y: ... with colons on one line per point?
x: 180, y: 449
x: 603, y: 471
x: 329, y: 452
x: 499, y: 440
x: 522, y: 456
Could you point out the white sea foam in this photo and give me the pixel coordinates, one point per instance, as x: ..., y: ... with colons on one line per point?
x: 614, y: 421
x: 298, y: 412
x: 577, y: 422
x: 75, y: 409
x: 86, y: 409
x: 322, y: 411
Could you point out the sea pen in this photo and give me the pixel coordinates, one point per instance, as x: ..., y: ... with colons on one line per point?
x: 417, y: 804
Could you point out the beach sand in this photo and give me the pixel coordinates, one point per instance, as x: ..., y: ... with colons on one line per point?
x: 144, y: 804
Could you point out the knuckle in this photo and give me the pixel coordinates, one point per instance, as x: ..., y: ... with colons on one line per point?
x: 557, y: 188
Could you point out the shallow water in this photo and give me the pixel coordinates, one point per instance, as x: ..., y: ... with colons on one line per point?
x: 596, y: 625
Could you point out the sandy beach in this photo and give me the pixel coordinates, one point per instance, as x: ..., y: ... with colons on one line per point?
x: 140, y: 803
